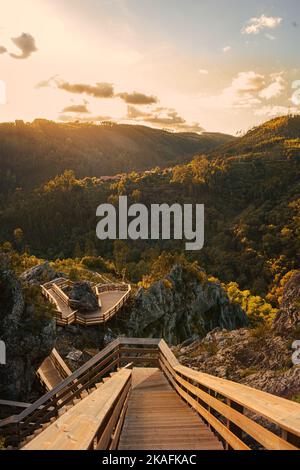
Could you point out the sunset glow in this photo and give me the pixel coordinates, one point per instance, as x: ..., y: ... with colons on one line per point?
x: 218, y: 65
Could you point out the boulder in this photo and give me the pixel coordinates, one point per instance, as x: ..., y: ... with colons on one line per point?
x: 180, y: 307
x: 83, y: 293
x: 40, y: 274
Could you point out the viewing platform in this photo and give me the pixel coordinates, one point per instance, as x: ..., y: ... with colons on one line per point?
x: 111, y: 298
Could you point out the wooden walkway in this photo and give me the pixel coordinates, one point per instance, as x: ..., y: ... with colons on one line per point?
x: 111, y: 297
x: 103, y: 406
x: 53, y: 371
x: 49, y: 374
x: 157, y: 418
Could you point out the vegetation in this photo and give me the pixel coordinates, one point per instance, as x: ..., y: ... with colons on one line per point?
x: 250, y: 188
x: 32, y: 153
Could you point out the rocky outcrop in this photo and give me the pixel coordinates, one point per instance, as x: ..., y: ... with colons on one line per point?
x: 29, y: 338
x: 82, y: 292
x: 288, y: 317
x: 260, y: 357
x: 180, y: 306
x: 40, y: 274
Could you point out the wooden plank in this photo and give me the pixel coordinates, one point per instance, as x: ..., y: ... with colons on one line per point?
x: 284, y: 413
x: 229, y: 437
x: 157, y: 418
x: 262, y: 435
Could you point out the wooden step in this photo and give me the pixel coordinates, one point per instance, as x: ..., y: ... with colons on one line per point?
x: 157, y: 418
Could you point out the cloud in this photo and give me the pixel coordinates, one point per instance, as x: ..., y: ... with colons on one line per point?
x: 76, y: 108
x: 137, y: 98
x: 272, y: 111
x: 248, y: 82
x: 256, y: 24
x: 166, y: 117
x: 270, y: 36
x: 226, y: 49
x: 47, y: 83
x: 26, y: 44
x: 247, y: 90
x: 275, y: 88
x: 100, y: 90
x: 3, y: 50
x: 203, y: 72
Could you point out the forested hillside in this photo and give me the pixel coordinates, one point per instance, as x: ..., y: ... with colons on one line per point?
x: 278, y: 138
x: 33, y: 153
x: 252, y: 214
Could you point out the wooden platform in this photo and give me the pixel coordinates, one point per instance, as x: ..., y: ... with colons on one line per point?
x: 49, y: 374
x: 53, y: 370
x: 157, y: 418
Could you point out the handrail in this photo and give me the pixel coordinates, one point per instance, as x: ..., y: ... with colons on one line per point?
x: 100, y: 415
x: 227, y: 407
x: 60, y: 364
x: 48, y: 406
x: 212, y: 396
x: 69, y: 381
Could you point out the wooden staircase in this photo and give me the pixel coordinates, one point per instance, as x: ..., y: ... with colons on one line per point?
x: 158, y: 419
x: 159, y: 404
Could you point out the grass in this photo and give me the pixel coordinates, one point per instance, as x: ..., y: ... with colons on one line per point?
x: 250, y: 371
x: 260, y: 331
x: 296, y: 397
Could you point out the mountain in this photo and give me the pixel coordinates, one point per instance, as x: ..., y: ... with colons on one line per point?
x: 279, y: 136
x: 32, y: 153
x: 252, y: 205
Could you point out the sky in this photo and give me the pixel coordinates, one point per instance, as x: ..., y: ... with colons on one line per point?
x: 182, y: 65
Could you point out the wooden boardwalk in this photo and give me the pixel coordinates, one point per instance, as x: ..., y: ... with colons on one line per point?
x: 103, y: 406
x: 158, y: 419
x: 111, y: 297
x: 53, y: 371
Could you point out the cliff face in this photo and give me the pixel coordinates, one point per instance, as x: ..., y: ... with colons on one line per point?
x: 288, y: 317
x: 261, y: 357
x: 180, y: 307
x: 28, y: 335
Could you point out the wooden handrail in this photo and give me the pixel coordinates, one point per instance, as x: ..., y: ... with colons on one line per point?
x: 82, y: 379
x: 91, y: 424
x: 60, y: 364
x: 212, y: 396
x: 227, y: 407
x: 45, y: 399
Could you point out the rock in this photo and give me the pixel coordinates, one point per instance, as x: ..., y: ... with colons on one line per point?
x: 82, y: 292
x: 109, y: 336
x: 40, y: 274
x: 288, y: 317
x: 284, y: 383
x: 180, y: 307
x: 74, y: 355
x: 263, y: 360
x: 29, y: 338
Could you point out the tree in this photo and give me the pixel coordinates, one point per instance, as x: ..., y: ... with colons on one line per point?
x: 19, y: 239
